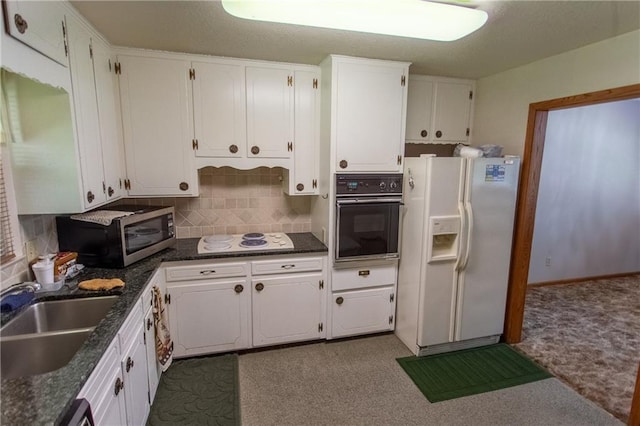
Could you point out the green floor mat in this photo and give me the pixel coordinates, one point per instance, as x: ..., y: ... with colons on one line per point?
x: 471, y: 371
x: 198, y: 391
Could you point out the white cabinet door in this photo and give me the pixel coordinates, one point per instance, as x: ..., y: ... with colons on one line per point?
x: 86, y: 112
x: 286, y: 309
x: 108, y: 114
x: 209, y: 317
x: 153, y: 367
x: 103, y: 390
x: 302, y: 179
x: 38, y: 24
x: 219, y: 110
x: 362, y: 311
x: 134, y: 367
x: 452, y: 111
x: 370, y: 108
x: 111, y: 408
x: 419, y: 109
x: 156, y: 103
x: 269, y: 112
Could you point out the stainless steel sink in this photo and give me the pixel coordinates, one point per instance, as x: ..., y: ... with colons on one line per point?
x: 30, y: 354
x: 46, y: 335
x: 55, y: 315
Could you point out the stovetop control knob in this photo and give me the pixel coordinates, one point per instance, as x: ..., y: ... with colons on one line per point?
x: 382, y: 186
x: 393, y: 184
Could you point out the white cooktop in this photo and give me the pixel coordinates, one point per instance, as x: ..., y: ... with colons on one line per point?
x: 244, y: 242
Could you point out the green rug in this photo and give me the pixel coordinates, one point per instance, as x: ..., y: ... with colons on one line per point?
x: 471, y: 371
x: 198, y: 391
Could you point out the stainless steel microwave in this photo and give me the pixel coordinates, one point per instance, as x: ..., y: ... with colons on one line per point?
x: 125, y: 240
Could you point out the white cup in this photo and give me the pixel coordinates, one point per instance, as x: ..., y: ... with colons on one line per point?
x: 43, y: 269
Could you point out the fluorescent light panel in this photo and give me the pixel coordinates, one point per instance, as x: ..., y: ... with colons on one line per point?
x: 404, y: 18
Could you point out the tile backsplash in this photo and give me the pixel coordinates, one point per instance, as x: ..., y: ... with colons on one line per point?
x: 41, y: 229
x: 231, y: 201
x: 235, y: 201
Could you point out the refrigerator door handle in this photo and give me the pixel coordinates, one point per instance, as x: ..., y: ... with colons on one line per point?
x: 469, y: 219
x: 461, y: 240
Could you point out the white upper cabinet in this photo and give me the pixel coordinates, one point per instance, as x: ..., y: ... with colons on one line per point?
x: 86, y: 113
x: 368, y: 113
x: 439, y: 110
x: 96, y: 109
x: 269, y: 112
x: 419, y: 109
x: 251, y: 114
x: 38, y: 24
x: 109, y: 118
x: 156, y: 101
x: 219, y: 110
x: 302, y: 178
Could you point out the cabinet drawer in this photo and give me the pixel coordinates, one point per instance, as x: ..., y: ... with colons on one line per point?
x: 131, y: 326
x: 369, y: 276
x: 206, y: 272
x: 262, y: 267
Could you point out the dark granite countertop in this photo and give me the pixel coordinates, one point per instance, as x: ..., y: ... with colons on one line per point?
x: 43, y: 398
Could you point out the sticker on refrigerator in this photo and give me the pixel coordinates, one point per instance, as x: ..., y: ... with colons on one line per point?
x: 494, y: 173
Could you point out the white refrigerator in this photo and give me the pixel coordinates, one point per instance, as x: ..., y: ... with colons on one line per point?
x: 457, y: 229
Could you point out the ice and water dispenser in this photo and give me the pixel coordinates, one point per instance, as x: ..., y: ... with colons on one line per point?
x: 443, y: 238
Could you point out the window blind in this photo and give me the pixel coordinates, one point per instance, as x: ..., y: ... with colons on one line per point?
x: 7, y: 251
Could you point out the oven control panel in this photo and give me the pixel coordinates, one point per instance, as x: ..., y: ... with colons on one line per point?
x: 369, y: 184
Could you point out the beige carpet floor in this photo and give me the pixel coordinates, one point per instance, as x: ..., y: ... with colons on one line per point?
x: 588, y: 335
x: 359, y: 382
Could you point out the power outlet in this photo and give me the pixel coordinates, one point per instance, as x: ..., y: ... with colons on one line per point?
x: 30, y: 250
x: 547, y: 262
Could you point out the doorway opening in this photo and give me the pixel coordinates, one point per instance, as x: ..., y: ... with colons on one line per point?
x: 528, y: 195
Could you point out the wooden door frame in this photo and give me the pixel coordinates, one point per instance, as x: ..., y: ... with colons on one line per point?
x: 526, y: 206
x: 528, y: 196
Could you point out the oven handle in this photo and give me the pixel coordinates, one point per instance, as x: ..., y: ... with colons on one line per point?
x: 371, y: 201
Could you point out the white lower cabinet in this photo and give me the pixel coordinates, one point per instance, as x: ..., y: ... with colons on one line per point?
x: 287, y: 309
x: 153, y: 368
x: 362, y: 311
x: 363, y: 299
x: 226, y: 306
x: 209, y: 316
x: 103, y: 389
x: 118, y: 388
x: 134, y: 369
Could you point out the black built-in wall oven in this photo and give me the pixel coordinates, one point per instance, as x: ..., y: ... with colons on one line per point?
x: 367, y: 216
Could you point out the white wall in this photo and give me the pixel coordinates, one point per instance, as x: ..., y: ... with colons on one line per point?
x: 588, y: 211
x: 502, y: 100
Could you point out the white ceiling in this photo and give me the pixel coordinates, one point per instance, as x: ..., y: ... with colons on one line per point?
x: 517, y: 32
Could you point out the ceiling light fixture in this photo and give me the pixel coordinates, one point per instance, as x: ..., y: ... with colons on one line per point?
x: 405, y: 18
